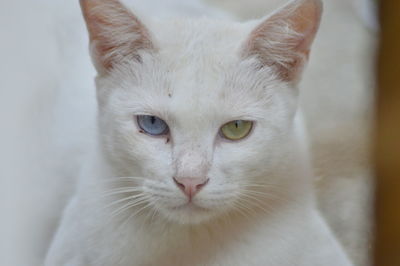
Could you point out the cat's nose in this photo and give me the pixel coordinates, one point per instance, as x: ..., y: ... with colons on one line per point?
x: 191, y: 186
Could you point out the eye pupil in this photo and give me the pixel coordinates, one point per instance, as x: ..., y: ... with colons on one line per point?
x: 236, y: 130
x: 152, y: 125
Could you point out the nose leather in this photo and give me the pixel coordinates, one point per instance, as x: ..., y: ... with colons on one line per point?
x: 191, y: 186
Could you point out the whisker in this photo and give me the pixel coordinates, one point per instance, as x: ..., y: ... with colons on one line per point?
x: 154, y: 213
x: 241, y: 210
x: 149, y: 204
x: 128, y: 206
x: 267, y: 195
x: 116, y: 180
x: 261, y: 185
x: 127, y: 178
x: 254, y: 192
x: 121, y: 190
x: 124, y: 199
x: 255, y: 203
x: 259, y: 196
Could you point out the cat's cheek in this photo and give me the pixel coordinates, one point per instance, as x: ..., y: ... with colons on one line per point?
x: 139, y: 154
x: 158, y: 165
x: 246, y: 160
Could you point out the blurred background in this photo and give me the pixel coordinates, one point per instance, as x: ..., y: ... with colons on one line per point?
x: 387, y: 143
x: 339, y: 97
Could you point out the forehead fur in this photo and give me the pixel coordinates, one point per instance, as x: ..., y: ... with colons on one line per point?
x: 197, y: 70
x: 205, y: 52
x: 208, y: 40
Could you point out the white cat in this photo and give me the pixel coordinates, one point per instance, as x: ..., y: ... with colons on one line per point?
x: 201, y: 156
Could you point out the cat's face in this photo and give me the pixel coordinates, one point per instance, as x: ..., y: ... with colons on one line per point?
x: 198, y: 120
x: 195, y: 101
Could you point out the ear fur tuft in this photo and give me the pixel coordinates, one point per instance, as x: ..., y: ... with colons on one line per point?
x: 115, y: 33
x: 283, y: 40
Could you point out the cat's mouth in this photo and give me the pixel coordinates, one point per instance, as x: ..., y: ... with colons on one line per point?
x: 189, y: 212
x: 191, y: 207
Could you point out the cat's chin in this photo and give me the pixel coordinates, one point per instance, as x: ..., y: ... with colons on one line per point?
x: 189, y: 214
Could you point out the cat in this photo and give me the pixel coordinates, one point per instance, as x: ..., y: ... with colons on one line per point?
x: 201, y: 156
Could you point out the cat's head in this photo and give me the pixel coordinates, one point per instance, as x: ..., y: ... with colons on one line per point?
x: 199, y: 113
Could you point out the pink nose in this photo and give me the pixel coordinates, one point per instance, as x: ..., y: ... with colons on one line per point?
x: 190, y: 186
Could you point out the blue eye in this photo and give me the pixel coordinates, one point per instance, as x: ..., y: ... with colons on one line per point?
x: 152, y: 125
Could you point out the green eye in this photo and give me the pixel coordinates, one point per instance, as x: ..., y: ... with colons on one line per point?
x: 236, y: 130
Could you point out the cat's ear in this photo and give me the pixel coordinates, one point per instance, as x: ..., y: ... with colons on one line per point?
x: 115, y: 33
x: 283, y: 40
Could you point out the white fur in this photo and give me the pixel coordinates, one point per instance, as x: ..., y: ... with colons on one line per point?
x: 260, y: 205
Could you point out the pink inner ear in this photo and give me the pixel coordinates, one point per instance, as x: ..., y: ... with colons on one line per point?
x: 283, y: 41
x: 115, y: 33
x: 306, y: 21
